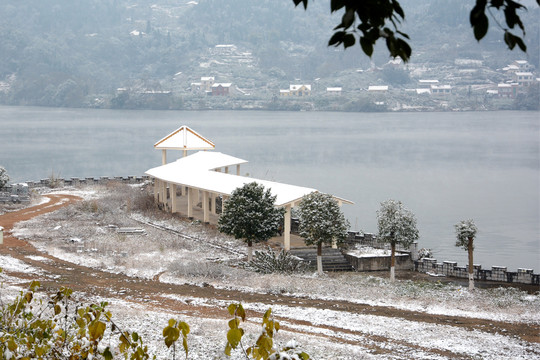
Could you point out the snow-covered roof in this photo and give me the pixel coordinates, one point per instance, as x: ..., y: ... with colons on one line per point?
x: 333, y: 89
x: 423, y: 91
x: 207, y: 78
x: 196, y: 171
x: 441, y: 87
x: 225, y: 85
x: 298, y: 87
x: 524, y: 73
x: 378, y: 88
x: 184, y: 138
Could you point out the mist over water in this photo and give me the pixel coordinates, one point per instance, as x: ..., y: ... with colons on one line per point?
x: 445, y: 167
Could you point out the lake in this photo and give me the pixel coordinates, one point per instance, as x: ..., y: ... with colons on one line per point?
x: 445, y: 167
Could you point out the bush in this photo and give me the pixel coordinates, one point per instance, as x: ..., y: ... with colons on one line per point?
x: 266, y: 262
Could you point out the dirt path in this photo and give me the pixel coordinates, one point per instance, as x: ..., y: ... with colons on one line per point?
x: 150, y: 292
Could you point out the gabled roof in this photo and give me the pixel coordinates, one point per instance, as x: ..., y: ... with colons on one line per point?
x: 298, y: 87
x: 184, y: 138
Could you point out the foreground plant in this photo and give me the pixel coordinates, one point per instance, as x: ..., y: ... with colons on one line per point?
x: 59, y: 327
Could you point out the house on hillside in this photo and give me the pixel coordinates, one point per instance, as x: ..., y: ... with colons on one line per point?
x: 300, y: 90
x: 523, y: 65
x: 296, y: 90
x: 507, y: 90
x: 378, y: 88
x: 207, y: 82
x: 222, y: 89
x: 426, y: 84
x: 441, y: 90
x: 335, y: 91
x: 523, y: 79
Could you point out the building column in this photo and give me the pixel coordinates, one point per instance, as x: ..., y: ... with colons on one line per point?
x: 156, y: 190
x: 213, y: 203
x: 334, y: 243
x: 163, y: 157
x: 238, y: 169
x: 226, y: 169
x: 189, y: 203
x: 287, y: 228
x: 164, y: 193
x: 173, y: 198
x: 206, y: 210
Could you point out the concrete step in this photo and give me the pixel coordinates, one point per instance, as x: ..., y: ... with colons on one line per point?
x: 332, y: 259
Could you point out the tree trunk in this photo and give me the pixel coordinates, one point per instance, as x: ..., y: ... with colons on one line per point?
x: 250, y: 250
x: 471, y: 266
x: 319, y: 259
x: 393, y: 263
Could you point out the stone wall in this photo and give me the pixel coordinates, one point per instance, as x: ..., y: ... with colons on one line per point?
x: 378, y: 263
x: 496, y: 273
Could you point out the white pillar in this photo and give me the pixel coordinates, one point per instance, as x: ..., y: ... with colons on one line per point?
x: 164, y: 192
x: 213, y: 203
x: 156, y: 189
x: 287, y: 228
x: 173, y: 198
x: 185, y: 153
x: 226, y: 169
x: 206, y: 211
x: 190, y: 203
x: 163, y: 157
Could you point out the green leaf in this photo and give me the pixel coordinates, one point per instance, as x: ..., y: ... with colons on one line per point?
x: 348, y: 40
x: 228, y: 349
x: 234, y: 336
x: 241, y: 312
x: 96, y: 330
x: 337, y: 38
x: 232, y: 308
x: 336, y: 5
x: 107, y: 355
x: 367, y: 46
x: 171, y: 334
x: 184, y: 327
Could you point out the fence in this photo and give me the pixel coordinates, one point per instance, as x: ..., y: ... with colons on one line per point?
x: 20, y: 193
x: 450, y: 268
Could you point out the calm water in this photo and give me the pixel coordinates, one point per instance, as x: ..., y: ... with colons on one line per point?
x: 445, y: 167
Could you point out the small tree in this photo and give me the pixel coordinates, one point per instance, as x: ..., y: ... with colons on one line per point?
x: 465, y: 234
x: 321, y: 222
x: 4, y: 177
x: 250, y: 215
x: 397, y: 225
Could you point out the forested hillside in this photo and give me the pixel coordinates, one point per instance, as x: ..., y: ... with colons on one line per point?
x: 66, y: 53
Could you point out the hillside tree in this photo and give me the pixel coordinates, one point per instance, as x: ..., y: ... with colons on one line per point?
x: 250, y: 215
x: 321, y: 222
x: 465, y: 233
x: 372, y: 20
x: 397, y: 225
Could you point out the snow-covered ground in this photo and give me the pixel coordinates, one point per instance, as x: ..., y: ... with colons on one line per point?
x: 86, y: 234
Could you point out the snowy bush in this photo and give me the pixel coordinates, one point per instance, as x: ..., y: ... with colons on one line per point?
x: 424, y: 253
x: 267, y: 262
x: 4, y: 177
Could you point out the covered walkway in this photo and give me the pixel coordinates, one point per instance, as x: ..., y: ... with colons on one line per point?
x: 204, y: 177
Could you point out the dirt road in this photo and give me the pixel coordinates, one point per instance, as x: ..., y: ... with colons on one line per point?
x: 96, y: 282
